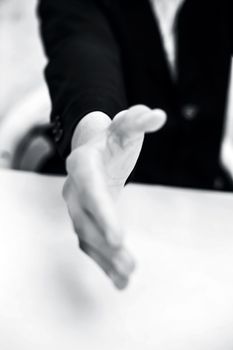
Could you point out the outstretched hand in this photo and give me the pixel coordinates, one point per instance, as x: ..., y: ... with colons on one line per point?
x: 104, y: 154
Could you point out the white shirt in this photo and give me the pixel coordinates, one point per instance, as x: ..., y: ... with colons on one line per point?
x: 166, y: 12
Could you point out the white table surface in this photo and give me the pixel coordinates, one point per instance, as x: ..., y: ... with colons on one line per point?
x: 54, y: 297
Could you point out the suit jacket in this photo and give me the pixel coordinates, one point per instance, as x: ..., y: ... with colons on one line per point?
x: 108, y: 55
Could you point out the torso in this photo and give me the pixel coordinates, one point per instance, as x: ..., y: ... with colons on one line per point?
x: 187, y: 150
x: 197, y: 46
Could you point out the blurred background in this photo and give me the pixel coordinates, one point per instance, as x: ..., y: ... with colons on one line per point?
x: 21, y: 55
x: 24, y: 100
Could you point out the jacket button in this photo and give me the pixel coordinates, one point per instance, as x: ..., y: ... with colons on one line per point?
x: 189, y: 112
x: 56, y: 126
x: 58, y: 135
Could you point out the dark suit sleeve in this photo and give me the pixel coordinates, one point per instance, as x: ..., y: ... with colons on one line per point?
x: 84, y: 70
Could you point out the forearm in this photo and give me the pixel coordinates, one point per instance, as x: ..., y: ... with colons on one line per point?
x: 84, y: 72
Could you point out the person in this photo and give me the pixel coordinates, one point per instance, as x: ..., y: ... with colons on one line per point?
x: 123, y: 73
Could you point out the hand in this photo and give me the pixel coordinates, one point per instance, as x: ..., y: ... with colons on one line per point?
x: 104, y: 154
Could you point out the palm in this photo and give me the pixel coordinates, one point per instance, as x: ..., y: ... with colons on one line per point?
x: 104, y: 155
x: 120, y: 159
x: 120, y: 144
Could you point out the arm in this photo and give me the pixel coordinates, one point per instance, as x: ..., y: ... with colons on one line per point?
x: 86, y: 84
x: 84, y: 72
x: 104, y: 153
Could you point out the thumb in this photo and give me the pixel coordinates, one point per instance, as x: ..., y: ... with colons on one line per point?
x: 135, y: 122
